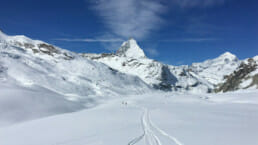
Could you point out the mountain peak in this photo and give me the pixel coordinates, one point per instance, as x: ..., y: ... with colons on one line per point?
x: 228, y: 55
x: 130, y: 48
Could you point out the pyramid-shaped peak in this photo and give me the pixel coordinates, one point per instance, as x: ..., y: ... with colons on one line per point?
x: 130, y: 48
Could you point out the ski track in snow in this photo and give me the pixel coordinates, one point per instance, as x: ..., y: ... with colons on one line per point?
x: 150, y: 131
x: 162, y: 132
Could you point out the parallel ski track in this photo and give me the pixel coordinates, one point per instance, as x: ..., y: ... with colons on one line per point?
x: 150, y: 131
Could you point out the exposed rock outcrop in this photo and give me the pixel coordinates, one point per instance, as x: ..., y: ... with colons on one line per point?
x: 239, y: 76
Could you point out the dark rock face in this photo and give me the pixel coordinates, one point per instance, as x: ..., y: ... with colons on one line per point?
x: 68, y: 57
x: 3, y: 70
x: 254, y: 82
x: 162, y: 86
x: 35, y: 50
x: 98, y: 56
x: 48, y: 49
x: 102, y: 55
x: 167, y: 76
x: 44, y: 48
x: 168, y: 80
x: 28, y: 45
x: 235, y: 79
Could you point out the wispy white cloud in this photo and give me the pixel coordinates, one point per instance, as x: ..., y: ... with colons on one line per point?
x: 152, y: 51
x: 130, y: 18
x: 109, y: 42
x: 197, y: 3
x: 138, y: 18
x: 90, y: 40
x: 191, y: 40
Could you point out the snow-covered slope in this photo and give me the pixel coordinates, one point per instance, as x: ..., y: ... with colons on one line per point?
x: 214, y: 70
x: 244, y: 77
x: 156, y: 119
x: 18, y: 103
x: 60, y: 70
x: 189, y: 81
x: 35, y: 47
x: 30, y: 64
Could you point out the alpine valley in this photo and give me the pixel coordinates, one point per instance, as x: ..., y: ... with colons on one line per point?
x: 52, y: 96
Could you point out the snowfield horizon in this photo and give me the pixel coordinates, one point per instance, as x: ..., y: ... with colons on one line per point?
x: 52, y: 96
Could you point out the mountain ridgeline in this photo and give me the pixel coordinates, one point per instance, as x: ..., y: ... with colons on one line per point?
x: 26, y: 62
x: 208, y: 76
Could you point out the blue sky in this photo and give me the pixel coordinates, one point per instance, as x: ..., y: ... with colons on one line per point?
x: 172, y: 31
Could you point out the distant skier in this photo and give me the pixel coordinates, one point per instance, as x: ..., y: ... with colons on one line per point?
x: 124, y: 103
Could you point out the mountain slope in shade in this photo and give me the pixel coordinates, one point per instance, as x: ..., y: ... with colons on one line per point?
x: 19, y: 104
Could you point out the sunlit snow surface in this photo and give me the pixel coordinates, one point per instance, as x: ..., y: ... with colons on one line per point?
x: 156, y: 119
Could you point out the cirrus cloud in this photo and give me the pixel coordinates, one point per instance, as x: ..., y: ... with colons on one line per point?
x: 130, y: 18
x: 90, y: 40
x: 197, y: 3
x: 138, y: 18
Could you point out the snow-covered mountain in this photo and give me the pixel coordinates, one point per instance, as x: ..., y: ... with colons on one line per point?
x: 130, y: 48
x: 245, y: 76
x: 32, y: 62
x: 214, y: 70
x: 131, y: 59
x: 32, y: 71
x: 71, y: 74
x: 198, y: 77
